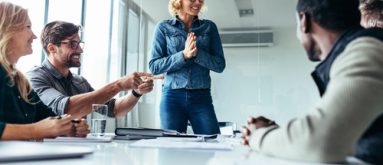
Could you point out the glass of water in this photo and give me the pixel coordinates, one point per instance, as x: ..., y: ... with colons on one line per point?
x: 98, y: 119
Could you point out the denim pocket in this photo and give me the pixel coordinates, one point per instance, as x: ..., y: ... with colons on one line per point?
x: 203, y: 41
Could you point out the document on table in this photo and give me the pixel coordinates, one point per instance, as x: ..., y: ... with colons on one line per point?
x: 179, y: 144
x: 94, y: 139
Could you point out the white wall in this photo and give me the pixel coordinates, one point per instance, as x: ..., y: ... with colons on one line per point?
x: 271, y: 81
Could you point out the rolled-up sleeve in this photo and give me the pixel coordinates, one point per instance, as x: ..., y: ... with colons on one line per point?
x: 110, y: 105
x: 49, y: 95
x: 42, y: 111
x: 44, y: 85
x: 352, y: 101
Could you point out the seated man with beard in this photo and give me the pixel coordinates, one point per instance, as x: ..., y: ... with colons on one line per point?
x: 68, y: 93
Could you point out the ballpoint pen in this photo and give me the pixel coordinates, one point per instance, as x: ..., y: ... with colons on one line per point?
x: 73, y: 120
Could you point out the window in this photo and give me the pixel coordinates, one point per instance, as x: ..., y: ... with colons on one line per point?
x: 96, y: 37
x: 118, y: 39
x: 133, y: 42
x: 65, y: 10
x: 37, y: 18
x: 150, y: 97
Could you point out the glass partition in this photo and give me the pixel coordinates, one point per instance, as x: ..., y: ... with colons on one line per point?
x: 96, y: 36
x: 65, y: 10
x: 36, y: 15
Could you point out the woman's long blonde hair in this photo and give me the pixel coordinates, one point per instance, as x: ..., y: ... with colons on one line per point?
x: 175, y: 5
x: 13, y: 18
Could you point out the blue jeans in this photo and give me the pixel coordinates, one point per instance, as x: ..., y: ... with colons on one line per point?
x: 178, y: 106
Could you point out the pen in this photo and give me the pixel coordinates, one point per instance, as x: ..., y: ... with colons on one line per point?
x: 76, y: 121
x: 73, y: 120
x: 156, y: 77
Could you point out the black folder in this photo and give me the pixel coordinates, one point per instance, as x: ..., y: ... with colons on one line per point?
x: 151, y: 133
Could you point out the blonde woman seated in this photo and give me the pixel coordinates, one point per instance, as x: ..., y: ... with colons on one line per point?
x: 22, y: 115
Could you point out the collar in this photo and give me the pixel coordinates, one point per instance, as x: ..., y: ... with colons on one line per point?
x: 340, y: 44
x: 321, y: 74
x: 53, y: 71
x: 176, y: 20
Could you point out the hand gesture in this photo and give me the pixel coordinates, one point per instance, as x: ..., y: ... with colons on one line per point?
x: 52, y: 127
x: 252, y: 125
x: 190, y: 50
x: 145, y: 87
x: 158, y: 77
x: 133, y: 80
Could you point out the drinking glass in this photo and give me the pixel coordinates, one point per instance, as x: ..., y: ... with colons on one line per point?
x: 98, y: 119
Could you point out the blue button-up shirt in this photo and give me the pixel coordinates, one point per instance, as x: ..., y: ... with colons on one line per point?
x: 167, y: 57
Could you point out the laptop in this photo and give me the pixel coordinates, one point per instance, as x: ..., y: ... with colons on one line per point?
x: 24, y: 151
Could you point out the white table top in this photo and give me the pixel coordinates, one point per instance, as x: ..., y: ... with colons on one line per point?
x: 119, y: 152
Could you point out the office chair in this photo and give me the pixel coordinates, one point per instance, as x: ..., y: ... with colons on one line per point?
x: 226, y: 128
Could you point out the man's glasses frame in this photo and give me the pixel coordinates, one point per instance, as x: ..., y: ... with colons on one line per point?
x: 74, y: 44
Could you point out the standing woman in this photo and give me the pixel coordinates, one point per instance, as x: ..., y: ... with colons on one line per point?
x: 22, y: 114
x: 185, y: 49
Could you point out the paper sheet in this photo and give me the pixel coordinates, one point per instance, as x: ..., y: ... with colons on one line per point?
x: 161, y: 143
x: 100, y: 139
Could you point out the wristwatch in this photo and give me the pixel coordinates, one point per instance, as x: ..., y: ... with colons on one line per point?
x: 134, y: 93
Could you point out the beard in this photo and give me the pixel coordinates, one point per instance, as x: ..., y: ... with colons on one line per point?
x: 313, y: 52
x: 72, y: 62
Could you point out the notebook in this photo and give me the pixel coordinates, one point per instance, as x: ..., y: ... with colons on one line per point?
x: 23, y: 151
x: 150, y: 133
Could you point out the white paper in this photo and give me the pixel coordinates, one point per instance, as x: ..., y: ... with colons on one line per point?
x: 161, y: 143
x: 98, y: 139
x: 181, y: 139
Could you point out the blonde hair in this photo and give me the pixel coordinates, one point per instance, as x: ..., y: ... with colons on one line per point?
x: 372, y: 12
x: 13, y: 18
x: 175, y: 5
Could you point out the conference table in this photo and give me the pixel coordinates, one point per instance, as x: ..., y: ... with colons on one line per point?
x: 121, y: 152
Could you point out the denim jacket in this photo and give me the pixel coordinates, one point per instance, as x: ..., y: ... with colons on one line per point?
x: 167, y: 57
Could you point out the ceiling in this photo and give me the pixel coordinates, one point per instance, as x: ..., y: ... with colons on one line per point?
x: 269, y: 13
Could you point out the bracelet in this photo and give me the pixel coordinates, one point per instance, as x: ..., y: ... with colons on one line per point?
x: 134, y: 93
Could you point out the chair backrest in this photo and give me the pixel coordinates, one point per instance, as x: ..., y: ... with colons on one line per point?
x: 227, y: 128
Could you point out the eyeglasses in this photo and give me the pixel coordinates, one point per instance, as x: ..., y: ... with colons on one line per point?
x: 74, y: 44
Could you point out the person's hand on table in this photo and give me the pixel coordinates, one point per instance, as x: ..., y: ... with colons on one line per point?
x: 252, y: 125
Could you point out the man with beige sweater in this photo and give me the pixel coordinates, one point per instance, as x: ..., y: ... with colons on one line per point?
x: 349, y: 79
